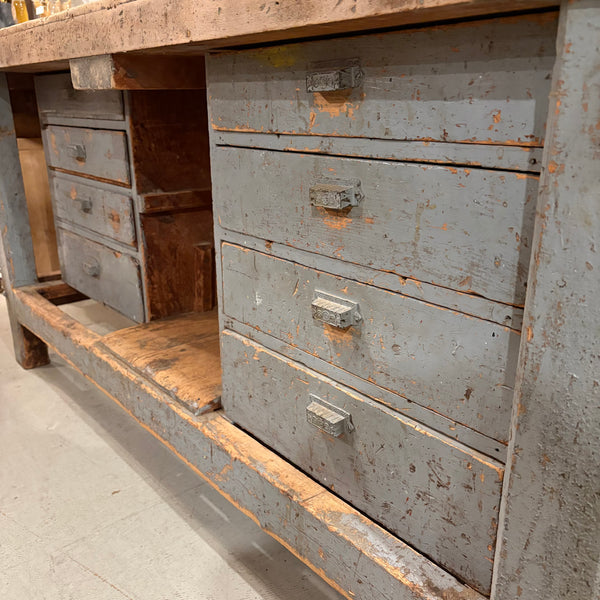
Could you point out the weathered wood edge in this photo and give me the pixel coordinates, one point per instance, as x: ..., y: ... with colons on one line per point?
x: 345, y: 548
x: 136, y: 25
x: 548, y: 538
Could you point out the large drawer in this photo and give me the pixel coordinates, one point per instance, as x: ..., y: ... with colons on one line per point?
x: 56, y: 98
x: 105, y: 212
x: 437, y: 495
x: 483, y: 81
x: 454, y: 364
x: 97, y: 153
x: 466, y: 229
x: 101, y: 273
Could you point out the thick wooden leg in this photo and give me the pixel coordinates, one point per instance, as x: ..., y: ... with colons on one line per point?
x: 16, y: 251
x: 30, y: 351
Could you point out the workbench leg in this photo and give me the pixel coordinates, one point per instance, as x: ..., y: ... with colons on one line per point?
x: 16, y: 253
x: 549, y: 530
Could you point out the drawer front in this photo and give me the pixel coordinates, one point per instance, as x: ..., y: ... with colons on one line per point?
x: 437, y: 495
x: 101, y: 273
x: 465, y: 229
x: 456, y: 365
x: 105, y: 212
x: 92, y: 152
x: 483, y: 81
x: 56, y: 98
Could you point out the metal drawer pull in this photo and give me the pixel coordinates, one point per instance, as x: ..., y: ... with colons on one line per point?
x: 338, y: 312
x: 91, y: 267
x: 85, y: 205
x: 328, y: 418
x: 77, y: 151
x: 334, y: 79
x: 336, y: 195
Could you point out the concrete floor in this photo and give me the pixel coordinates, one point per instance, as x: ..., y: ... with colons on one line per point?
x: 93, y: 507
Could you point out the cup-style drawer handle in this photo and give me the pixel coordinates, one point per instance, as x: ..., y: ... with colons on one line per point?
x: 328, y: 418
x: 77, y: 151
x: 332, y: 80
x: 91, y: 267
x: 85, y: 205
x: 334, y: 311
x: 336, y: 195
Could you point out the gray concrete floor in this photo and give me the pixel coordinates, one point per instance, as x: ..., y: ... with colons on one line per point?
x: 93, y: 507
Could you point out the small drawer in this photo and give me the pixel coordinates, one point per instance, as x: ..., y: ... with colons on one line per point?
x: 102, y: 211
x: 102, y: 273
x: 485, y: 81
x: 435, y: 494
x: 56, y: 98
x: 92, y: 152
x: 459, y: 366
x: 465, y: 229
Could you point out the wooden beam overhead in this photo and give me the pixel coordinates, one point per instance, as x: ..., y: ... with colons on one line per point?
x: 138, y: 72
x: 109, y: 26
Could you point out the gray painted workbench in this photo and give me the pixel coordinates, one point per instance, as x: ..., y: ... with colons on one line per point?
x: 526, y: 448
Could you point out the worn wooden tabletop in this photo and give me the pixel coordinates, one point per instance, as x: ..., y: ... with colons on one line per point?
x: 183, y: 26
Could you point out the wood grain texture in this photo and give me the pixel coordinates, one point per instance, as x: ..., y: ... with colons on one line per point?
x: 108, y: 213
x: 476, y: 82
x: 169, y: 140
x: 58, y: 292
x: 138, y: 72
x: 56, y: 98
x: 102, y: 273
x: 453, y: 364
x: 124, y: 26
x: 170, y: 267
x: 173, y: 201
x: 510, y: 158
x: 104, y: 154
x: 550, y: 528
x: 39, y: 205
x: 465, y: 229
x: 24, y: 105
x: 347, y: 549
x: 179, y: 354
x: 438, y: 496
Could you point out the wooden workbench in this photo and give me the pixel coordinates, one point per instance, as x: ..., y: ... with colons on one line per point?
x: 550, y: 513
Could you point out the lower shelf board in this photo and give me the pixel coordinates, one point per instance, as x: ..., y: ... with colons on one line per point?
x: 351, y: 552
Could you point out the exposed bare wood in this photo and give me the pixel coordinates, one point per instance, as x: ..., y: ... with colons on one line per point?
x: 59, y: 293
x: 126, y: 25
x: 163, y: 202
x: 138, y: 72
x: 280, y: 499
x: 37, y: 192
x: 206, y: 286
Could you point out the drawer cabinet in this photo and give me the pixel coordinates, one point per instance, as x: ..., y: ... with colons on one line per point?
x: 418, y: 484
x: 133, y: 215
x: 106, y: 212
x: 352, y: 255
x: 466, y: 229
x: 107, y: 275
x: 89, y: 152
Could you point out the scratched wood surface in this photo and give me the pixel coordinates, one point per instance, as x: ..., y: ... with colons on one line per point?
x: 466, y: 229
x: 91, y: 152
x: 109, y: 213
x: 56, y: 98
x: 451, y: 363
x: 438, y: 496
x: 104, y: 274
x: 349, y: 550
x: 181, y: 354
x: 482, y: 81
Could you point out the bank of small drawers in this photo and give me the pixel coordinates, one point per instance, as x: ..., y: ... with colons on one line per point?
x: 366, y: 200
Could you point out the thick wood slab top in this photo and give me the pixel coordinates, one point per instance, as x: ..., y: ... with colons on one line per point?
x: 183, y: 26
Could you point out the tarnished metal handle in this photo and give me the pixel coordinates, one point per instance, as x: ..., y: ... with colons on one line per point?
x: 333, y: 80
x: 91, y: 267
x: 334, y: 311
x: 77, y: 151
x: 336, y: 195
x: 85, y: 205
x: 328, y: 417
